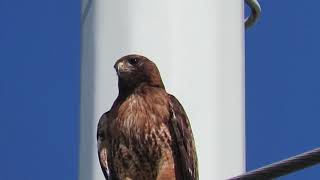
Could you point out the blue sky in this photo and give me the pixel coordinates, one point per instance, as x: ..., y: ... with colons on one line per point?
x: 282, y: 84
x: 39, y: 80
x: 39, y: 94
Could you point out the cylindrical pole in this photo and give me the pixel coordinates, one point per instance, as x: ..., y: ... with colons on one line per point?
x: 198, y: 47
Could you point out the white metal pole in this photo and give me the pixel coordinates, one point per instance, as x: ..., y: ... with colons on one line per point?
x: 198, y: 47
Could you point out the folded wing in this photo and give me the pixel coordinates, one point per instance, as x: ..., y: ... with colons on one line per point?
x: 186, y: 162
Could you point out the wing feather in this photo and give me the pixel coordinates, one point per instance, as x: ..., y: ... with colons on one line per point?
x: 185, y: 153
x: 103, y: 153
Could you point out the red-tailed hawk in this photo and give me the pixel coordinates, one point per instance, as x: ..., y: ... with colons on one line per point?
x: 146, y: 134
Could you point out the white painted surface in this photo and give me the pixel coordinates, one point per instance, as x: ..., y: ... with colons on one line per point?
x: 198, y: 47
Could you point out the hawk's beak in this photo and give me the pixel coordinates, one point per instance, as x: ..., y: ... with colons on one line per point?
x: 121, y: 67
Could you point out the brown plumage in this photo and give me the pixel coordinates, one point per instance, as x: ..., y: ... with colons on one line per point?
x: 146, y: 134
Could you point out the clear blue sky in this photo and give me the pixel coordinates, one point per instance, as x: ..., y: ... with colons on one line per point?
x: 39, y: 87
x: 282, y: 83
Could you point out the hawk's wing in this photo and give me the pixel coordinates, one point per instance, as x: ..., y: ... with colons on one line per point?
x: 103, y: 152
x: 186, y: 163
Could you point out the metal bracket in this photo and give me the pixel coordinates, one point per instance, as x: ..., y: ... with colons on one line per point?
x: 255, y: 13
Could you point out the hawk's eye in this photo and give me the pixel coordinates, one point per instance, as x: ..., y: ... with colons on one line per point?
x: 133, y: 61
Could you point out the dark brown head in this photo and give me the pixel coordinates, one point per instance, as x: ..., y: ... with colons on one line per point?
x: 135, y: 70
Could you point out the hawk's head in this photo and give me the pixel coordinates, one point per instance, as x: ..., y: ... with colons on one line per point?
x: 134, y: 70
